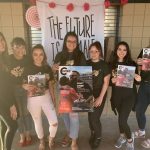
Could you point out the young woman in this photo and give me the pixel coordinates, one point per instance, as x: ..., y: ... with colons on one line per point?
x: 70, y: 56
x: 143, y: 102
x: 8, y: 113
x: 41, y: 95
x: 101, y: 77
x: 17, y: 63
x: 125, y: 100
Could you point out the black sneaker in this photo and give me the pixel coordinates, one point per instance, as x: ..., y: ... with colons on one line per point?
x: 96, y: 143
x: 92, y: 137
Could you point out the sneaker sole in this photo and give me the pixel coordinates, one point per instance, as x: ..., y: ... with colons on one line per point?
x: 120, y: 145
x: 139, y: 137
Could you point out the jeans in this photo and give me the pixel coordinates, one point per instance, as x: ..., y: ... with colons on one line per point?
x: 142, y: 104
x: 24, y: 120
x: 71, y: 121
x: 43, y: 103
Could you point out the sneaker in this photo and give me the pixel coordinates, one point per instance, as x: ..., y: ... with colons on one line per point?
x: 96, y: 143
x: 66, y: 142
x: 130, y: 146
x: 92, y: 137
x: 120, y: 141
x: 74, y: 147
x: 139, y: 134
x: 51, y: 142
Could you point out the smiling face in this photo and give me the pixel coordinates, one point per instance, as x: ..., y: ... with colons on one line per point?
x: 94, y: 54
x: 38, y: 56
x: 2, y: 44
x: 121, y: 52
x: 18, y: 51
x: 71, y: 43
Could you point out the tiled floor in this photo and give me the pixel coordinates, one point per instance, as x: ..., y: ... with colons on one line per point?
x: 110, y: 131
x: 110, y: 134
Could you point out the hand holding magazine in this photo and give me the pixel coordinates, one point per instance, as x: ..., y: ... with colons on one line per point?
x: 146, y: 59
x: 79, y: 79
x: 125, y: 76
x: 39, y: 82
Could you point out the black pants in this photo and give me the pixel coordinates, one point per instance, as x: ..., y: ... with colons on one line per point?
x: 142, y: 104
x: 125, y: 103
x: 8, y: 129
x: 94, y: 120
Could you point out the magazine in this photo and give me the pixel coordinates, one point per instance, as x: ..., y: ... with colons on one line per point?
x: 125, y: 76
x: 79, y: 79
x: 38, y: 82
x: 146, y: 59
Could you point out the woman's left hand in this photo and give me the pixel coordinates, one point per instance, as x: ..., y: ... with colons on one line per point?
x: 13, y: 112
x: 98, y: 102
x: 137, y: 77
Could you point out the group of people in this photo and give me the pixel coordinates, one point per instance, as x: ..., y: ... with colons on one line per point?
x: 17, y: 107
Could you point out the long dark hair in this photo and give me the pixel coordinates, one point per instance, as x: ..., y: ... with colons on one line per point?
x: 4, y: 55
x: 39, y: 46
x: 6, y: 47
x: 127, y: 59
x: 76, y: 52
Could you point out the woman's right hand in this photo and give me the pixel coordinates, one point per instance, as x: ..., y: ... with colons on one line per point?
x: 55, y: 67
x: 28, y: 87
x: 114, y: 80
x: 139, y: 61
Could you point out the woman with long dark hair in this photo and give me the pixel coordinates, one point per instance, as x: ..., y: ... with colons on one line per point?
x: 70, y: 56
x: 39, y: 79
x: 143, y: 100
x: 123, y: 98
x: 8, y: 113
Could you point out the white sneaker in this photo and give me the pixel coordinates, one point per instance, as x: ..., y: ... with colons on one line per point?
x: 139, y: 134
x: 130, y: 146
x: 121, y: 140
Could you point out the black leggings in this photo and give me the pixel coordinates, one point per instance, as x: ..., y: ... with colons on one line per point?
x: 94, y: 120
x: 8, y: 129
x: 124, y: 109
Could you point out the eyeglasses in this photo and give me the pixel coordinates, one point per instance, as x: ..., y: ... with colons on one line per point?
x: 71, y: 42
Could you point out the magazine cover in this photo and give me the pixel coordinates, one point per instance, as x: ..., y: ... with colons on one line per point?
x: 125, y: 76
x: 79, y: 86
x: 39, y: 82
x: 146, y: 59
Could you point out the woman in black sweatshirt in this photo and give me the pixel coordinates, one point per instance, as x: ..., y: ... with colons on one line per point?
x: 8, y: 113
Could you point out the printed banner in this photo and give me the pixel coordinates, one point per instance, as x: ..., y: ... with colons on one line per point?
x: 57, y: 21
x: 75, y: 89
